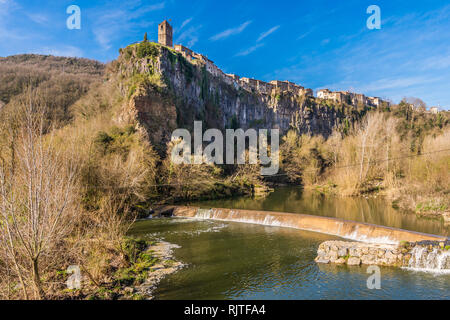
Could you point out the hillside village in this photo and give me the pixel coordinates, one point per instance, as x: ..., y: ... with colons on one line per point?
x: 165, y: 37
x: 100, y: 138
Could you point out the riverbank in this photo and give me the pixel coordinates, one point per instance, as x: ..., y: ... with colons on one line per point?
x: 431, y: 206
x: 148, y: 263
x: 434, y: 206
x: 407, y: 161
x: 152, y: 261
x: 242, y: 261
x: 165, y: 266
x: 139, y: 281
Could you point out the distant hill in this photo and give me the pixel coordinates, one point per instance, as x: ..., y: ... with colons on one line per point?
x: 60, y: 81
x: 47, y: 62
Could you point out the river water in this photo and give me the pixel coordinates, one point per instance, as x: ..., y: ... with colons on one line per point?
x: 227, y: 260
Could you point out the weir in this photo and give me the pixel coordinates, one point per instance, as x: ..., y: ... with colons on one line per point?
x: 352, y: 230
x: 430, y: 259
x: 427, y: 256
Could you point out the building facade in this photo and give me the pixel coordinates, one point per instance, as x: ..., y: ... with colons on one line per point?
x: 187, y: 53
x: 165, y: 38
x: 434, y: 110
x: 165, y: 34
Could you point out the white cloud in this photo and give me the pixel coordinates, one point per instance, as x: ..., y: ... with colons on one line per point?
x: 154, y: 7
x: 61, y: 51
x: 397, y: 83
x: 408, y: 57
x: 185, y: 23
x: 6, y: 5
x: 304, y: 35
x: 436, y: 63
x: 104, y: 35
x: 267, y: 33
x: 249, y: 50
x: 113, y: 23
x: 192, y: 42
x: 8, y: 33
x: 38, y: 18
x: 133, y: 13
x: 230, y: 32
x: 189, y: 37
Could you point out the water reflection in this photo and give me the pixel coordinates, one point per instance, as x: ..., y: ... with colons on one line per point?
x: 242, y: 261
x: 372, y: 210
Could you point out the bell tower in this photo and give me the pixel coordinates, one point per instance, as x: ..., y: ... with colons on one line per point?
x: 165, y: 34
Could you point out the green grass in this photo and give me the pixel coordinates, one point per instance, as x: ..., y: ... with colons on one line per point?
x: 147, y: 49
x: 431, y: 207
x: 404, y: 244
x: 141, y: 261
x: 117, y: 140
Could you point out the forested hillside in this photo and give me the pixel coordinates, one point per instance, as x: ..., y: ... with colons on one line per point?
x: 58, y: 81
x: 100, y: 139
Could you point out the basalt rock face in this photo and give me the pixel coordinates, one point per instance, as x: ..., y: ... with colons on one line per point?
x: 168, y: 90
x: 155, y: 115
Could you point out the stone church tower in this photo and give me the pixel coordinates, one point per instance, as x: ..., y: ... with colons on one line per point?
x: 165, y: 34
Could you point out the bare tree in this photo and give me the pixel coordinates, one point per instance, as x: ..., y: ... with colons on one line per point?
x: 418, y: 103
x: 290, y: 159
x: 335, y: 143
x: 389, y: 133
x: 368, y: 134
x: 37, y: 189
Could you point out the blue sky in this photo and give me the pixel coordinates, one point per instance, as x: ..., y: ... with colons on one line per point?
x: 316, y: 43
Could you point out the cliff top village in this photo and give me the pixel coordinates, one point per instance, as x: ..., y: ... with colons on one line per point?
x: 165, y: 38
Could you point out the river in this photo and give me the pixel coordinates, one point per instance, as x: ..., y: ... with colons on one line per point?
x: 227, y: 260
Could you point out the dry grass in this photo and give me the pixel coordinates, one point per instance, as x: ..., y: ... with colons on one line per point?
x: 376, y: 156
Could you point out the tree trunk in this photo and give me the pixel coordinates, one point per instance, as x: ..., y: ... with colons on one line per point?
x: 22, y: 283
x: 37, y: 280
x: 363, y: 147
x: 387, y: 157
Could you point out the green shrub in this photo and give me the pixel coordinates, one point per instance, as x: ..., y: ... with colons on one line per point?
x: 117, y: 140
x: 147, y: 49
x: 404, y: 244
x: 102, y: 140
x: 133, y: 248
x: 140, y: 261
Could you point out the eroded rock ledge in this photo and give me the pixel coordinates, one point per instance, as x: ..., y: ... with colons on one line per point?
x: 422, y: 255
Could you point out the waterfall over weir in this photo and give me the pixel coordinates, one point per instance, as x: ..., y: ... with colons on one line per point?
x: 337, y: 227
x: 432, y: 260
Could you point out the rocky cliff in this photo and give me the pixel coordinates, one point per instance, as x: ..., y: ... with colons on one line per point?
x: 166, y: 91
